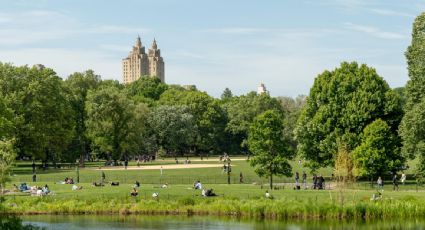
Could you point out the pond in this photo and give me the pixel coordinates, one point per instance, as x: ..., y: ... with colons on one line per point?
x: 91, y: 222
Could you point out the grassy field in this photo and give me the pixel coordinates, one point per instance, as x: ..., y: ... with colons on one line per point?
x: 244, y: 199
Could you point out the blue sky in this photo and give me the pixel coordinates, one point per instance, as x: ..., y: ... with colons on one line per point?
x: 215, y: 44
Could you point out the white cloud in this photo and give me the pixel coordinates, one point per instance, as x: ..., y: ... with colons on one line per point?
x: 387, y: 12
x: 65, y: 61
x: 374, y: 31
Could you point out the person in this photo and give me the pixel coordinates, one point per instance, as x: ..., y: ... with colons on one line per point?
x: 125, y: 163
x: 395, y: 184
x: 155, y: 195
x: 197, y: 185
x: 297, y: 178
x: 304, y: 178
x: 134, y: 192
x: 240, y: 178
x: 314, y: 181
x: 103, y: 176
x: 403, y: 178
x: 45, y: 190
x: 267, y: 195
x: 380, y: 183
x: 209, y: 192
x: 203, y: 192
x: 320, y: 182
x: 75, y: 187
x: 34, y: 177
x: 164, y: 185
x: 15, y: 188
x: 137, y: 184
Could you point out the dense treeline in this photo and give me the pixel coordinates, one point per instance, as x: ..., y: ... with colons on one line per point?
x: 350, y: 111
x: 55, y: 120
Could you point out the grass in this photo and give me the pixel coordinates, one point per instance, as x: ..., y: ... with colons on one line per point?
x: 245, y: 199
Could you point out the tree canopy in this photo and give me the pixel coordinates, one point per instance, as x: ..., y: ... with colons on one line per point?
x: 271, y: 151
x: 340, y: 105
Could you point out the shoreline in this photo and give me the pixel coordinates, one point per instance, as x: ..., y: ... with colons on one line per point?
x: 266, y: 209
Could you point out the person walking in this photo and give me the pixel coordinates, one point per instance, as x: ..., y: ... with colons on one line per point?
x: 103, y: 176
x: 304, y: 178
x: 395, y: 183
x: 380, y: 183
x: 297, y: 178
x: 403, y: 178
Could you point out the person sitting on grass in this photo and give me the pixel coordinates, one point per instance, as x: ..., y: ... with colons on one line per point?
x: 155, y: 195
x: 197, y: 185
x: 75, y: 187
x: 376, y: 196
x: 15, y: 188
x: 267, y: 195
x: 137, y: 184
x: 45, y: 190
x: 134, y: 192
x: 164, y: 185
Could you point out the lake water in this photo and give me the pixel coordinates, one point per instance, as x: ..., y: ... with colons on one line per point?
x: 91, y: 222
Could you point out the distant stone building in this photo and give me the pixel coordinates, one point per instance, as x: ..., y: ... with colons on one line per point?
x: 139, y: 63
x: 262, y: 89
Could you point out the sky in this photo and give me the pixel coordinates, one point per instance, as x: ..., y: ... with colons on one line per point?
x: 213, y: 44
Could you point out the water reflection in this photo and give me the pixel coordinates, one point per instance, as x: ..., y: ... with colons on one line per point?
x: 204, y: 222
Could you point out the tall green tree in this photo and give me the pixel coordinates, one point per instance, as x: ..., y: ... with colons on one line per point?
x: 146, y: 89
x: 209, y: 116
x: 379, y: 151
x: 42, y: 112
x: 412, y: 129
x: 173, y: 128
x: 271, y: 151
x: 78, y: 85
x: 241, y: 112
x: 7, y: 157
x: 340, y: 105
x: 115, y: 123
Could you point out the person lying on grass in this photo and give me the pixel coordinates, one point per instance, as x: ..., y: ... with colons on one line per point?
x: 134, y: 192
x: 75, y: 187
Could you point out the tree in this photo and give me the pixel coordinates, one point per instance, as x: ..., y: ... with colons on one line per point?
x: 270, y: 150
x: 146, y: 89
x: 173, y: 128
x: 340, y: 105
x: 209, y: 117
x: 378, y: 152
x: 42, y: 112
x: 115, y: 123
x: 7, y: 157
x: 241, y: 112
x: 227, y: 94
x: 412, y: 129
x: 78, y: 85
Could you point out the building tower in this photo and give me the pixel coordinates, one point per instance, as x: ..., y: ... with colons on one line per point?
x: 262, y: 89
x: 138, y: 63
x: 156, y: 63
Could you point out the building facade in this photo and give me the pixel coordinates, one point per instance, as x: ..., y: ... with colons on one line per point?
x: 139, y: 63
x: 262, y: 89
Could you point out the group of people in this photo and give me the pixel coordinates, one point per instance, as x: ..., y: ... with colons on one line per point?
x: 318, y: 181
x: 33, y: 190
x: 380, y: 181
x: 68, y: 180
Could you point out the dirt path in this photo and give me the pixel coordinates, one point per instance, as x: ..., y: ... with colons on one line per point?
x: 150, y: 167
